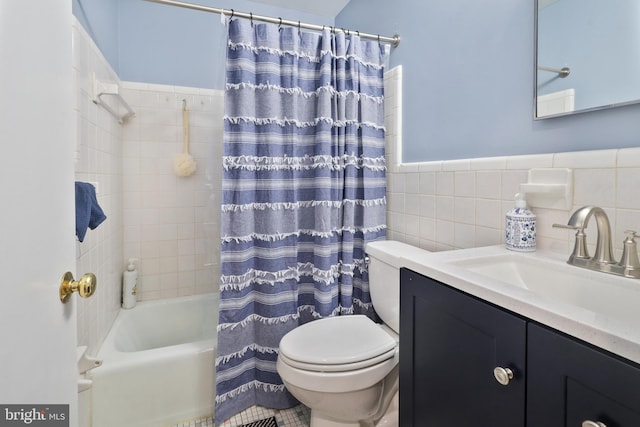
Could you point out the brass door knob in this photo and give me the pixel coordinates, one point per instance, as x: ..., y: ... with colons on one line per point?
x: 85, y: 287
x: 593, y: 424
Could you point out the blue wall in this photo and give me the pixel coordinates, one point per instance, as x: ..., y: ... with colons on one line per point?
x: 154, y: 43
x: 100, y: 19
x: 468, y: 81
x: 468, y: 69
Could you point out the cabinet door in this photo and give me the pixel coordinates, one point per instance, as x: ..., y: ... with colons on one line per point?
x: 450, y: 344
x: 570, y: 382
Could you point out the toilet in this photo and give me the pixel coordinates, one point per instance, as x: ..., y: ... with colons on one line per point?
x: 345, y: 368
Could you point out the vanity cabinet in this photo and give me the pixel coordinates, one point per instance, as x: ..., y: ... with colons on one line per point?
x: 451, y: 342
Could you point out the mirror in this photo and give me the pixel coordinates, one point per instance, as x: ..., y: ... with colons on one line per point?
x: 587, y: 55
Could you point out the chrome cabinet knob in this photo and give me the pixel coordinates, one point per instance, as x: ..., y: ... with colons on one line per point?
x: 503, y: 375
x: 593, y: 424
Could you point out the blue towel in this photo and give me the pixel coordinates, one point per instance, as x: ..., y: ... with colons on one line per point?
x: 88, y: 211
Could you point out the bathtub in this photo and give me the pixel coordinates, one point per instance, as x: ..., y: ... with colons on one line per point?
x: 158, y: 364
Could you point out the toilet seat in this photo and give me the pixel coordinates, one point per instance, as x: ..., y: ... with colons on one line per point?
x: 337, y: 344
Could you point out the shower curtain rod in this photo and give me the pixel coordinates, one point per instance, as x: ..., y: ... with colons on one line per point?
x: 394, y: 41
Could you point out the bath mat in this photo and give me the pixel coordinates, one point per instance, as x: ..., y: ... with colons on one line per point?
x: 267, y: 422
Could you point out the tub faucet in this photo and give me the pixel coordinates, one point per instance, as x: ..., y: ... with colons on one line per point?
x: 602, y: 260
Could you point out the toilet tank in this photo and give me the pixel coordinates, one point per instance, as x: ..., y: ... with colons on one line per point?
x: 384, y: 277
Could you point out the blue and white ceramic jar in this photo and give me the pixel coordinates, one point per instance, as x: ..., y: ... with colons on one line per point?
x: 520, y: 227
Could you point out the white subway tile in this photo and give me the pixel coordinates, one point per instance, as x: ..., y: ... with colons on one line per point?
x: 465, y: 184
x: 488, y: 184
x: 445, y: 233
x: 149, y: 249
x: 594, y: 187
x: 627, y: 188
x: 489, y: 163
x: 628, y: 158
x: 530, y: 161
x: 412, y: 225
x: 586, y: 159
x: 464, y: 210
x: 409, y: 168
x: 456, y: 165
x: 445, y: 184
x: 412, y: 183
x: 430, y: 166
x: 396, y: 182
x: 488, y: 213
x: 488, y: 236
x: 412, y: 204
x: 428, y: 183
x: 464, y: 235
x: 169, y: 265
x: 427, y: 228
x: 428, y: 206
x: 444, y: 207
x: 395, y: 202
x: 168, y: 249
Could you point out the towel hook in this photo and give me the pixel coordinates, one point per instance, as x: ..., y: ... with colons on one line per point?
x: 251, y: 18
x: 233, y: 12
x: 184, y: 104
x: 280, y: 23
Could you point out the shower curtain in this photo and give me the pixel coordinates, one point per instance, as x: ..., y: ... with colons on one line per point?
x: 303, y: 191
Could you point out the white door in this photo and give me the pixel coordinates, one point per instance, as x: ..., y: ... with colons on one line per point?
x: 37, y: 143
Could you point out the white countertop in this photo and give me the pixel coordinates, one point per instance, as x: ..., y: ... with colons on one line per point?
x: 617, y: 335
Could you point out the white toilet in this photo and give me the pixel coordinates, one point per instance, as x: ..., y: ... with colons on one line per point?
x: 345, y: 368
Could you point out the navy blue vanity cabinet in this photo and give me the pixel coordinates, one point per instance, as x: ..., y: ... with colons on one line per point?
x: 570, y: 382
x: 450, y: 344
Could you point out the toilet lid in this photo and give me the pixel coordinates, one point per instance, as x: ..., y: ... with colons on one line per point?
x: 338, y: 341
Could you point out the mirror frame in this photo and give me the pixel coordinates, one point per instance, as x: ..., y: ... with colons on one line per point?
x: 535, y: 81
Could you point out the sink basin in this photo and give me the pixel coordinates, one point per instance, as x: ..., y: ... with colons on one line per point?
x: 600, y: 293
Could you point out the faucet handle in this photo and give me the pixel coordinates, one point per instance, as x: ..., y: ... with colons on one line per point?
x: 629, y: 258
x: 580, y: 247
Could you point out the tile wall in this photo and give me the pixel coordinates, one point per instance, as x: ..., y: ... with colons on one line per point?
x: 98, y: 160
x: 461, y: 203
x: 171, y: 223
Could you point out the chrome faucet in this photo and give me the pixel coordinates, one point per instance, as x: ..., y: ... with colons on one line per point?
x: 602, y: 260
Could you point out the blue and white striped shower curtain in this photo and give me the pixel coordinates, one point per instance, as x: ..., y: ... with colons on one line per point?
x: 303, y: 191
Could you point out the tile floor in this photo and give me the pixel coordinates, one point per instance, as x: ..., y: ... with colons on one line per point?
x: 294, y: 417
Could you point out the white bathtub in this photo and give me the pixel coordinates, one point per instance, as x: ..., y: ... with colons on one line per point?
x: 158, y: 364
